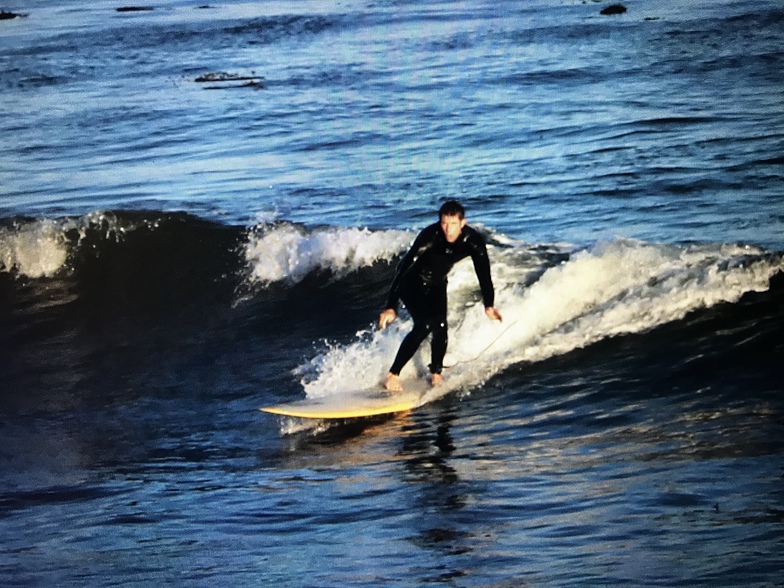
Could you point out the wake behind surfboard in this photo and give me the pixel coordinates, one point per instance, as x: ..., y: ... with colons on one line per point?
x: 352, y: 404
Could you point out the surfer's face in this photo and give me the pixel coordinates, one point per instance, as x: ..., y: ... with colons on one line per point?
x: 452, y: 227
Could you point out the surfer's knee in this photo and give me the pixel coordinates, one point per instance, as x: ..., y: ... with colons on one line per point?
x: 440, y: 333
x: 437, y: 326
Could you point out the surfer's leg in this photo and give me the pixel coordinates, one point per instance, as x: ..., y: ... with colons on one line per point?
x: 415, y: 296
x: 409, y: 347
x: 438, y: 347
x: 439, y: 328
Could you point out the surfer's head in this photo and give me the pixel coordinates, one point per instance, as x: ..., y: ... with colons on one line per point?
x: 452, y: 208
x: 452, y: 217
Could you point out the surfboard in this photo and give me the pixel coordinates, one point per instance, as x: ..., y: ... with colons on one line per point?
x: 350, y: 405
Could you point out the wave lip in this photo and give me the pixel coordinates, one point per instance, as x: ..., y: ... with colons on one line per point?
x: 42, y: 248
x: 284, y: 252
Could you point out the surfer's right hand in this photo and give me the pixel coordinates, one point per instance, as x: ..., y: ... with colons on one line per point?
x: 387, y: 317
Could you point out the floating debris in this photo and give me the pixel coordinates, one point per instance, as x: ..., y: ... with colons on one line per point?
x: 223, y: 79
x: 253, y: 84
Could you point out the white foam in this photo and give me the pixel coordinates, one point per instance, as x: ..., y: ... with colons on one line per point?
x: 40, y: 248
x: 286, y: 252
x: 616, y: 288
x: 625, y: 287
x: 35, y: 250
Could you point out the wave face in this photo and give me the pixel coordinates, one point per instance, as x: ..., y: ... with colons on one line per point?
x: 187, y: 274
x: 131, y: 251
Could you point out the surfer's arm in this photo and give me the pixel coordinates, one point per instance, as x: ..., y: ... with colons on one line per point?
x: 394, y: 289
x: 422, y: 242
x: 390, y: 312
x: 482, y: 269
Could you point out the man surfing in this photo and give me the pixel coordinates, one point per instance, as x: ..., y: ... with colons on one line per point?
x: 421, y: 280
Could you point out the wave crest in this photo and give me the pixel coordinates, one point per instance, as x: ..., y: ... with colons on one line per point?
x: 287, y: 252
x: 41, y: 248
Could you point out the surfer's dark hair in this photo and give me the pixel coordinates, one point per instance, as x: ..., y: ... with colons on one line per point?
x: 452, y: 208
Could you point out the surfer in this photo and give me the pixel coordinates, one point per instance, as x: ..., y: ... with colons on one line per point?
x: 420, y: 282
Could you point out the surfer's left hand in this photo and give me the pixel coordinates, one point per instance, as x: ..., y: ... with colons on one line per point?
x: 493, y: 314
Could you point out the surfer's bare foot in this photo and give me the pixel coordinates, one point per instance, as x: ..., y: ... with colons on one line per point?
x: 436, y: 380
x: 393, y: 383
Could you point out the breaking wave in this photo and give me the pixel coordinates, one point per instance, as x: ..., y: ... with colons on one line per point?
x: 286, y: 252
x: 552, y: 307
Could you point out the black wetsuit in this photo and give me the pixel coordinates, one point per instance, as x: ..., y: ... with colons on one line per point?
x: 420, y: 282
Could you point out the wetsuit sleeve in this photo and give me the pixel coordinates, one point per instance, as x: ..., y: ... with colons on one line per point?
x: 421, y: 243
x: 482, y: 269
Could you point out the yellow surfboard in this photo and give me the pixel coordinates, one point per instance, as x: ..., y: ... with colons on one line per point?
x: 349, y: 405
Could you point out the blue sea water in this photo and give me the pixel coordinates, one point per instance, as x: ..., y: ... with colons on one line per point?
x: 201, y: 210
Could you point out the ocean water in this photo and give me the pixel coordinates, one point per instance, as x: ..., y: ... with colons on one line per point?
x: 202, y: 207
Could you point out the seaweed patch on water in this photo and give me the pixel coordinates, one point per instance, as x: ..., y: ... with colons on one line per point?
x: 6, y: 15
x: 135, y: 9
x: 613, y: 9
